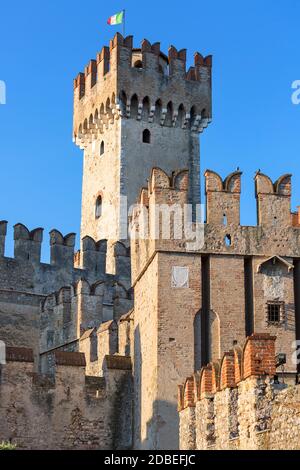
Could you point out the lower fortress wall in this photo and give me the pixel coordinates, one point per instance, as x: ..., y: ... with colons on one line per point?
x: 238, y: 404
x: 68, y: 409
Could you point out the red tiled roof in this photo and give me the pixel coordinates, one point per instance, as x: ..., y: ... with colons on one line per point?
x: 19, y: 354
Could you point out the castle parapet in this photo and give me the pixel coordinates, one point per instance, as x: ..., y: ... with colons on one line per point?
x: 69, y: 313
x: 62, y: 249
x: 3, y: 231
x: 27, y: 244
x: 223, y: 198
x: 126, y: 82
x: 273, y: 200
x: 81, y: 406
x: 122, y: 261
x: 226, y: 398
x: 94, y: 255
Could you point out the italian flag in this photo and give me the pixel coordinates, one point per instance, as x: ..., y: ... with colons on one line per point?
x: 116, y: 19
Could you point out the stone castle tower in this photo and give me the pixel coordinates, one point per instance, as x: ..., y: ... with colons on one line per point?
x: 135, y: 109
x: 94, y: 344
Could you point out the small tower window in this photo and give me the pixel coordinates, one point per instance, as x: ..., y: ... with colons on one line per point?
x: 228, y: 240
x: 275, y: 312
x: 98, y: 209
x: 146, y: 136
x: 102, y: 148
x: 138, y: 64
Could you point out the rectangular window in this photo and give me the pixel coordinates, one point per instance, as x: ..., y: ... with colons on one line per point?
x: 275, y: 312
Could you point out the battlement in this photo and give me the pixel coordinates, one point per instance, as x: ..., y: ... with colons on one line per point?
x: 142, y: 84
x: 238, y: 403
x: 273, y: 200
x: 160, y: 220
x: 90, y: 262
x: 257, y: 358
x: 26, y: 281
x: 3, y: 231
x: 67, y: 314
x: 81, y: 406
x: 223, y: 198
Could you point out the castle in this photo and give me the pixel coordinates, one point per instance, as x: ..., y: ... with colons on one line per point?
x: 97, y: 342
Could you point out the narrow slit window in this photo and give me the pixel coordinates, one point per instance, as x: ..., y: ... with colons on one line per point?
x: 146, y: 136
x: 98, y: 209
x: 102, y: 148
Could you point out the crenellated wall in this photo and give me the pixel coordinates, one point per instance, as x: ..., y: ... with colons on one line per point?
x: 237, y: 404
x: 120, y: 75
x: 71, y: 312
x: 198, y: 301
x: 25, y: 281
x: 66, y: 409
x: 135, y: 109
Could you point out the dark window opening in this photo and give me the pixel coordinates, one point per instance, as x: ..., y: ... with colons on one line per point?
x: 98, y: 210
x: 102, y: 148
x: 138, y: 64
x: 146, y: 136
x: 275, y: 311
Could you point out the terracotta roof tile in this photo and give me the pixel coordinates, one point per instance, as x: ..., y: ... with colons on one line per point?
x: 63, y: 358
x: 19, y: 354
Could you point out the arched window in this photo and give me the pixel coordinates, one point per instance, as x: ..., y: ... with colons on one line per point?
x: 98, y: 208
x: 146, y: 136
x: 138, y: 64
x: 228, y: 241
x: 102, y: 147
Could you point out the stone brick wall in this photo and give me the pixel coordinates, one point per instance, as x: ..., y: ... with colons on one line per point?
x: 115, y: 101
x: 25, y: 283
x: 227, y: 307
x: 238, y: 296
x: 227, y: 285
x: 66, y: 410
x: 274, y: 282
x: 164, y: 322
x: 145, y: 363
x: 68, y: 314
x: 244, y: 408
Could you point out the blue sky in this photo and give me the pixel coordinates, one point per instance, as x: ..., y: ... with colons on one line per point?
x: 44, y: 44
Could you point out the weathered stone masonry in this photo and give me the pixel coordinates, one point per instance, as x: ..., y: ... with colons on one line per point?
x: 66, y: 410
x: 98, y: 340
x: 236, y: 403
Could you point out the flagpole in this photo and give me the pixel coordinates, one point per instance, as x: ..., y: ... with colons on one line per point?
x: 124, y: 25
